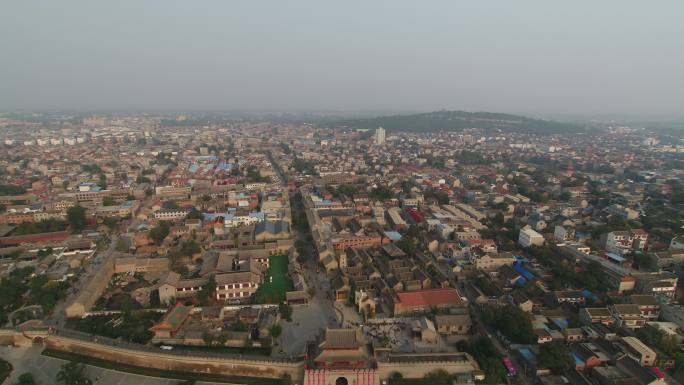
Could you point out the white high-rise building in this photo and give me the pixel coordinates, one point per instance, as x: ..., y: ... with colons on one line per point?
x: 380, y: 136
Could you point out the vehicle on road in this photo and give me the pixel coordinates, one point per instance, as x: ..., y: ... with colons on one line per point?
x: 510, y: 368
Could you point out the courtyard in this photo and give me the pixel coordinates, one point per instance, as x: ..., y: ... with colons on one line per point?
x: 277, y: 281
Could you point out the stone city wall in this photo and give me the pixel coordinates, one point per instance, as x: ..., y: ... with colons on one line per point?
x: 420, y: 369
x: 178, y: 361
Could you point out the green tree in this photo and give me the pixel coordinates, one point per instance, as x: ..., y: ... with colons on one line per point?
x: 440, y: 196
x: 159, y: 232
x: 616, y: 223
x: 222, y: 338
x: 484, y: 351
x: 121, y: 246
x: 276, y: 330
x: 76, y: 218
x: 8, y: 189
x: 514, y: 323
x: 555, y: 356
x: 438, y: 377
x: 381, y: 193
x: 73, y: 373
x: 26, y: 379
x: 194, y: 214
x: 108, y: 201
x: 285, y: 311
x: 495, y: 372
x: 207, y: 338
x: 102, y: 181
x: 645, y: 262
x: 396, y: 377
x: 207, y: 292
x: 110, y: 223
x: 44, y: 226
x: 46, y: 293
x: 171, y: 205
x: 407, y: 244
x: 91, y: 168
x: 499, y: 219
x: 286, y: 379
x: 190, y: 248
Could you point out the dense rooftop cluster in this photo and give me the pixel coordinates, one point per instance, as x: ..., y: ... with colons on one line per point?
x: 492, y: 252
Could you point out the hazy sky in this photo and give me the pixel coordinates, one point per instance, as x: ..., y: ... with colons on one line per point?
x: 535, y: 57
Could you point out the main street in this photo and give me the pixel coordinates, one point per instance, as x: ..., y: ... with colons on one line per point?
x: 58, y: 315
x: 490, y: 334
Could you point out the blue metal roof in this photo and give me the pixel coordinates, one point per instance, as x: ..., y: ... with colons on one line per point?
x: 578, y: 360
x: 528, y: 355
x: 588, y: 294
x: 524, y: 272
x: 393, y: 235
x: 560, y: 322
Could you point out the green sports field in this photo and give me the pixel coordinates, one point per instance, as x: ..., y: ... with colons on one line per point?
x: 277, y: 281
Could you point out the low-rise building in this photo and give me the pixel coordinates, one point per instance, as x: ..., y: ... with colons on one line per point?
x: 490, y: 262
x: 639, y: 351
x: 170, y: 215
x: 528, y: 237
x: 627, y: 315
x: 172, y: 321
x: 649, y: 306
x: 595, y: 315
x: 237, y: 285
x: 424, y: 300
x: 453, y: 324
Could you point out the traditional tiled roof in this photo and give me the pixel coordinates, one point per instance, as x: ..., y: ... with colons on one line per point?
x: 174, y: 318
x: 273, y: 227
x: 340, y: 339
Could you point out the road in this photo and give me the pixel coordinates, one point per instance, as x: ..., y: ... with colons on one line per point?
x: 490, y: 334
x: 620, y: 270
x: 310, y: 320
x: 58, y: 316
x: 307, y: 323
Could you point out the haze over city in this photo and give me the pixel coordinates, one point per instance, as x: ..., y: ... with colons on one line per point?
x: 610, y: 58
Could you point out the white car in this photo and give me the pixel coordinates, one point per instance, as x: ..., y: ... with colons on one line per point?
x: 166, y: 347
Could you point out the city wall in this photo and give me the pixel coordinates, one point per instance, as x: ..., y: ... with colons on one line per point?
x: 419, y: 369
x: 176, y: 362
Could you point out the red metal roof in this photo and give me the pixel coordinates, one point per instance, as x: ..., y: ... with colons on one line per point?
x: 433, y: 297
x: 415, y: 215
x: 474, y: 242
x: 34, y: 238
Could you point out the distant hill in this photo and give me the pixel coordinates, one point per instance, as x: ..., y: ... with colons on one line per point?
x: 459, y: 120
